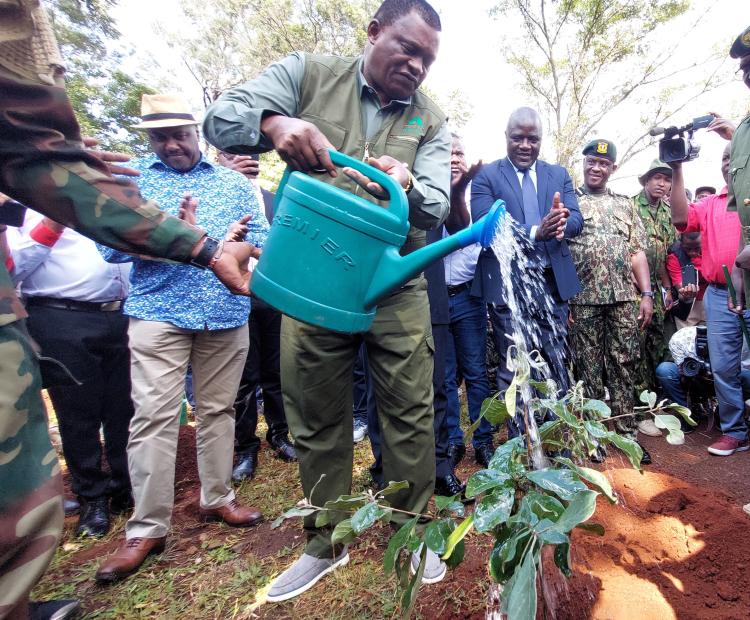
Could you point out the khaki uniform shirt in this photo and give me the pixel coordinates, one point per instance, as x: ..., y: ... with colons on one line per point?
x: 612, y: 233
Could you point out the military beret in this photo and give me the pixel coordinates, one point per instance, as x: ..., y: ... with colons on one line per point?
x: 601, y: 148
x: 741, y: 45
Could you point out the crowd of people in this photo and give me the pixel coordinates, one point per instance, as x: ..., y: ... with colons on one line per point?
x: 121, y: 300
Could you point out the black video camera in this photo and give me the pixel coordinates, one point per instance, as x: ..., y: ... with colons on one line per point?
x: 701, y: 363
x: 674, y: 146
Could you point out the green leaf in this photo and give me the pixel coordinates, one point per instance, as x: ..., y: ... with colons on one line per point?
x: 544, y: 506
x: 684, y: 412
x: 291, y: 514
x: 596, y: 429
x: 393, y: 487
x: 365, y: 517
x: 504, y: 453
x: 494, y: 509
x: 449, y: 504
x: 484, y: 480
x: 398, y: 541
x: 597, y: 407
x: 348, y: 503
x: 630, y: 447
x: 562, y: 559
x: 458, y: 535
x: 675, y: 437
x: 592, y: 476
x: 457, y: 556
x: 561, y: 482
x: 509, y: 544
x: 494, y: 411
x: 343, y: 533
x: 594, y: 528
x: 510, y: 398
x: 409, y: 597
x: 436, y: 535
x: 648, y: 398
x: 540, y: 386
x: 548, y: 429
x: 667, y: 421
x: 522, y: 595
x: 322, y: 518
x: 580, y: 509
x: 548, y: 534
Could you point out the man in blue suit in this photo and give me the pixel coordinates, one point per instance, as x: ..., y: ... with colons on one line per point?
x: 531, y: 190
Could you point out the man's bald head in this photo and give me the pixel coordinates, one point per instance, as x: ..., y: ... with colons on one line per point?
x: 523, y: 137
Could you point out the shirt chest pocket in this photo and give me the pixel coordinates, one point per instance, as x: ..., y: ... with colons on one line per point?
x: 403, y: 148
x: 335, y: 133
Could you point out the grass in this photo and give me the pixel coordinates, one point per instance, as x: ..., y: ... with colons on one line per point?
x: 214, y: 571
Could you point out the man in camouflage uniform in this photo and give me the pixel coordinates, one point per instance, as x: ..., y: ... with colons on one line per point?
x: 43, y: 165
x: 608, y: 254
x: 660, y: 235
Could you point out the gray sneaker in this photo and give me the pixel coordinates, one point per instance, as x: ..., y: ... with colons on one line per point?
x: 435, y: 569
x: 303, y: 575
x: 360, y: 431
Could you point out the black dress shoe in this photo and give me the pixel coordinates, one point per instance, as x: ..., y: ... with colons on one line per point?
x: 71, y: 506
x: 62, y: 609
x: 94, y: 518
x: 483, y: 454
x: 646, y: 458
x: 121, y: 503
x: 284, y: 449
x: 599, y: 456
x: 456, y: 452
x: 450, y: 486
x: 246, y: 464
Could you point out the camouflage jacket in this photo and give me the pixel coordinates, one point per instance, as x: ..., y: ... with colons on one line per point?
x: 612, y: 233
x: 660, y: 234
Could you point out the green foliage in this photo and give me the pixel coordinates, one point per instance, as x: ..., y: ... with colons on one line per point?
x: 106, y: 100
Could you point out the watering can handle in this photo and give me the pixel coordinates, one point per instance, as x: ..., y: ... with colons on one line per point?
x: 399, y: 205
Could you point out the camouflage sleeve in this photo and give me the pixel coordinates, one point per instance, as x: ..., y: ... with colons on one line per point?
x: 43, y: 165
x: 638, y: 241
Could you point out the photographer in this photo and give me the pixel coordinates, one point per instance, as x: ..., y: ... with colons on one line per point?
x: 684, y: 267
x: 720, y: 230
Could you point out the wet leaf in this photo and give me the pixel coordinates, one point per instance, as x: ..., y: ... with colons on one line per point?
x: 592, y: 476
x: 540, y: 386
x: 597, y: 407
x: 522, y: 594
x: 457, y: 556
x: 580, y: 509
x: 458, y: 535
x: 684, y: 412
x: 667, y: 421
x: 561, y: 482
x: 504, y: 453
x: 648, y: 398
x: 548, y: 534
x: 346, y: 503
x: 630, y: 447
x: 436, y: 535
x: 593, y: 528
x: 393, y: 487
x: 365, y: 517
x: 675, y: 437
x: 510, y: 399
x: 494, y: 411
x: 322, y: 518
x: 596, y: 429
x: 494, y: 509
x: 484, y: 480
x: 409, y: 596
x: 562, y: 559
x: 544, y: 506
x: 398, y: 541
x: 505, y: 555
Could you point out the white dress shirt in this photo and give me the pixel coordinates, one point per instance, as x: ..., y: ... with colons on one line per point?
x: 67, y: 266
x: 461, y: 264
x: 532, y: 176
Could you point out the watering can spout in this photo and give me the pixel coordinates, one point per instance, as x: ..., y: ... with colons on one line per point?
x: 395, y: 269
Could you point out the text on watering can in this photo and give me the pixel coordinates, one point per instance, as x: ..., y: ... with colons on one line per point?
x: 328, y: 245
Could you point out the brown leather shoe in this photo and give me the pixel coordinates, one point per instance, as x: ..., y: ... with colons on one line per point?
x: 233, y: 514
x: 128, y: 558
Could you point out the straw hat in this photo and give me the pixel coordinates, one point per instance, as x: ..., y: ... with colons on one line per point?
x: 164, y: 111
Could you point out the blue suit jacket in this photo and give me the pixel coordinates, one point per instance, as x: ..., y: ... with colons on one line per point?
x: 499, y: 180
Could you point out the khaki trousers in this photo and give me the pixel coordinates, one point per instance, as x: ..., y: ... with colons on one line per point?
x: 316, y: 381
x: 160, y: 353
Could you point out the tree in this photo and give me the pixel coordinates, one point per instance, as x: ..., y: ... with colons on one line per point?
x: 106, y: 99
x: 582, y: 59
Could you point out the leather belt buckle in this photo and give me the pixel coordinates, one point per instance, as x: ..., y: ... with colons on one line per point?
x: 111, y: 306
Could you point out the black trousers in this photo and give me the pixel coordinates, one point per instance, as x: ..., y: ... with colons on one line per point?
x: 440, y: 335
x: 94, y: 347
x: 261, y: 368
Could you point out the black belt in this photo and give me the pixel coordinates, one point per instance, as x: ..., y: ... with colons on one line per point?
x: 72, y: 304
x: 723, y: 287
x: 455, y: 290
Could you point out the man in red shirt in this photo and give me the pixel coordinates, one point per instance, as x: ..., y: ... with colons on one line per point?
x: 720, y: 231
x: 687, y: 308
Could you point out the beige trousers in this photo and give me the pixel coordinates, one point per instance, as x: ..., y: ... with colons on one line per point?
x: 160, y: 353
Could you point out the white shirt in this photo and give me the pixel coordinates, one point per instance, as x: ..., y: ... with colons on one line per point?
x: 461, y: 264
x: 68, y: 268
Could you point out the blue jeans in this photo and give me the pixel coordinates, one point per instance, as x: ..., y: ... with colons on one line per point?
x: 668, y: 374
x: 364, y: 389
x: 725, y: 351
x: 467, y: 351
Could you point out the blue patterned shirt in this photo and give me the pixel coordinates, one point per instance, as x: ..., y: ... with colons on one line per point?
x: 186, y: 296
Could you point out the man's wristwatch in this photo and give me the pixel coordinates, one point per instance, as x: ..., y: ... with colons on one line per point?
x: 203, y: 259
x: 647, y: 294
x: 409, y: 183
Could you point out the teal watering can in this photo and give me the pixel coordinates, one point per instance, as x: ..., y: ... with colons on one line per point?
x: 331, y: 256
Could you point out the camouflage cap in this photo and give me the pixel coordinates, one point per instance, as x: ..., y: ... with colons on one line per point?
x: 656, y: 166
x: 601, y: 148
x: 705, y: 188
x: 741, y: 45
